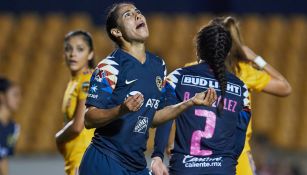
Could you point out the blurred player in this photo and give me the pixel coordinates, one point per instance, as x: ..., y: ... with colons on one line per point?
x: 9, y: 130
x: 73, y: 139
x: 208, y: 140
x: 125, y: 98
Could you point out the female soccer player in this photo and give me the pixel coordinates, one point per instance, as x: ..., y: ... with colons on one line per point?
x: 72, y: 140
x: 264, y: 79
x: 267, y: 80
x: 208, y: 140
x: 9, y: 130
x: 125, y: 98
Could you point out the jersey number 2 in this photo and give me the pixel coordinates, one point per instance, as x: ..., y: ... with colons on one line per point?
x: 206, y: 133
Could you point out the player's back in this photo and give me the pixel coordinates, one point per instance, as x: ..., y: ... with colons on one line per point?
x: 205, y: 140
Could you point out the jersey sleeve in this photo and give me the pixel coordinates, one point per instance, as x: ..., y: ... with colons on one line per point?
x: 84, y: 85
x: 254, y: 79
x: 170, y: 87
x: 102, y: 84
x: 243, y: 121
x: 161, y: 139
x: 163, y: 131
x: 163, y: 90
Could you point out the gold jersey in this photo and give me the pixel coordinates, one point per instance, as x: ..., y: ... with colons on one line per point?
x: 76, y: 90
x: 255, y: 80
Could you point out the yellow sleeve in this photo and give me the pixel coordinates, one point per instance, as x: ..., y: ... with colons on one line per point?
x: 255, y: 80
x: 84, y: 85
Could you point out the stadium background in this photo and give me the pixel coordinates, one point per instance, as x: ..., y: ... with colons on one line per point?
x: 31, y: 53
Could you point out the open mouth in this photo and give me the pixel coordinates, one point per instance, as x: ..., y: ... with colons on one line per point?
x: 142, y: 24
x: 72, y: 62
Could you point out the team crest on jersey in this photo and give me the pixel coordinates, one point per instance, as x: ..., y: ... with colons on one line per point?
x: 85, y: 86
x: 159, y: 82
x: 141, y: 125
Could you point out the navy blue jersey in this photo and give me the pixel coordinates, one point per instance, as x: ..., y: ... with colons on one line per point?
x: 206, y: 143
x: 115, y: 78
x: 8, y: 137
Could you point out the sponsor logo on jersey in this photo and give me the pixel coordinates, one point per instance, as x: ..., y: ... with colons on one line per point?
x: 159, y: 83
x: 152, y: 103
x: 141, y: 125
x: 93, y: 89
x: 202, y: 82
x: 191, y: 161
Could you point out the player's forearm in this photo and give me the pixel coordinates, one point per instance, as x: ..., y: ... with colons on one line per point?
x: 284, y: 88
x: 161, y: 139
x: 67, y: 133
x: 4, y: 166
x: 96, y: 118
x: 170, y: 112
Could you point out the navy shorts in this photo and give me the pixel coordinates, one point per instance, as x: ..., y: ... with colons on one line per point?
x: 95, y: 162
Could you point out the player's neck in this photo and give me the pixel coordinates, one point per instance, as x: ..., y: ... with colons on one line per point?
x: 77, y: 73
x: 137, y: 50
x: 4, y: 115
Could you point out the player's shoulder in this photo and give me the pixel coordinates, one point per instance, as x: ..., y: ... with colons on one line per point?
x: 174, y: 76
x: 11, y: 125
x: 87, y: 74
x: 155, y: 58
x: 232, y: 78
x: 110, y: 62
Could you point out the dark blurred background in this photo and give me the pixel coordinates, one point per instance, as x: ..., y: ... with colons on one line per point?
x: 31, y: 53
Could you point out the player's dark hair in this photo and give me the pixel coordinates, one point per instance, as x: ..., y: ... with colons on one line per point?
x: 87, y: 37
x: 236, y: 53
x: 213, y: 43
x: 111, y: 21
x: 5, y: 84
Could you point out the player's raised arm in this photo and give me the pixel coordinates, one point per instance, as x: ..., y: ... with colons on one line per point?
x: 206, y: 98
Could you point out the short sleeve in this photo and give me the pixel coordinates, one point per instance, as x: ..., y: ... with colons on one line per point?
x: 255, y: 79
x: 84, y: 85
x: 243, y: 122
x: 170, y: 88
x: 102, y: 84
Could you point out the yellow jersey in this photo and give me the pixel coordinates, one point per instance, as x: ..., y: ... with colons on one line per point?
x: 76, y: 90
x: 255, y: 80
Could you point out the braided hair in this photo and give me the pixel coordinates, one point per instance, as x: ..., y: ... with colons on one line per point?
x: 213, y: 43
x: 236, y: 53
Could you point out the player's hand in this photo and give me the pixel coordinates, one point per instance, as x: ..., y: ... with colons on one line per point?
x: 157, y: 167
x: 206, y: 98
x: 169, y: 149
x: 133, y: 103
x: 251, y: 55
